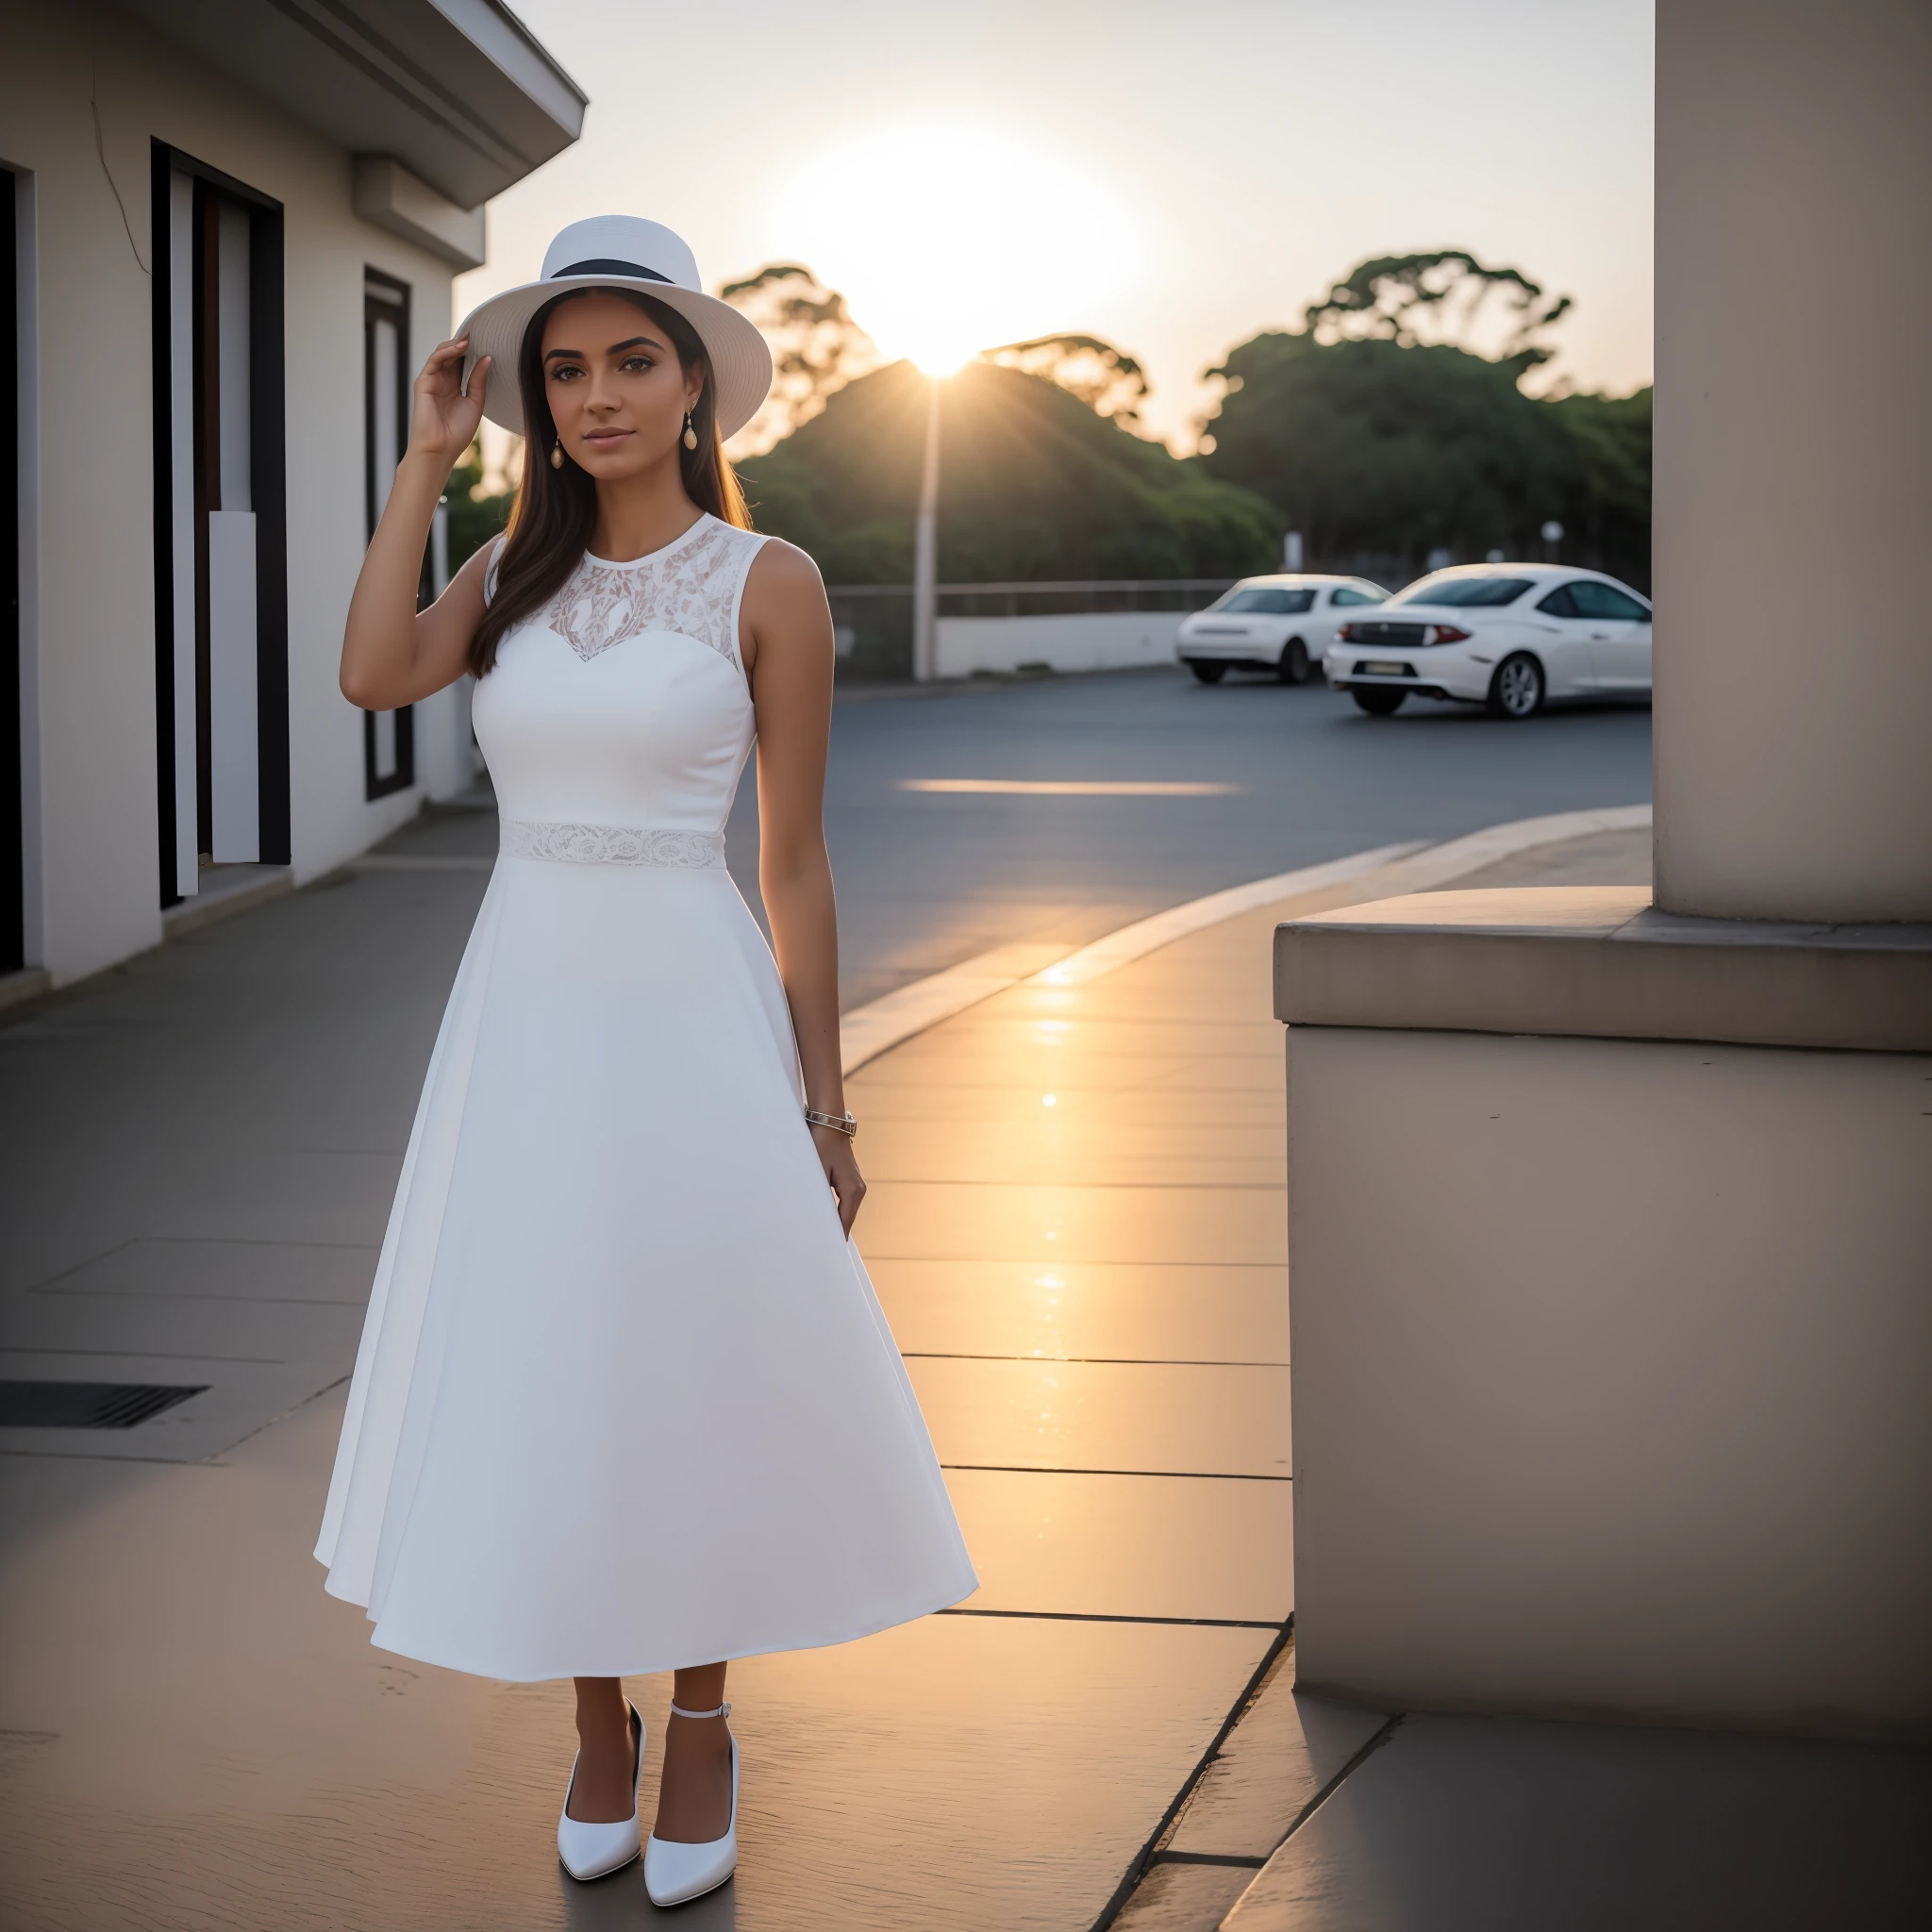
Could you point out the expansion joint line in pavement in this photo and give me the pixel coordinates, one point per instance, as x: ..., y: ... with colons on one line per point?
x: 1334, y: 1783
x: 1157, y: 1854
x: 1125, y: 1890
x: 1118, y: 1617
x: 1097, y: 1361
x: 1196, y: 1476
x: 1241, y: 1861
x: 1254, y: 1861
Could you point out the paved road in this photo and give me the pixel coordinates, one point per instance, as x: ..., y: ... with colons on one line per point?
x: 928, y: 879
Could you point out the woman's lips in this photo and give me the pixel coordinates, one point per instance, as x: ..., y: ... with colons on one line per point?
x: 605, y: 435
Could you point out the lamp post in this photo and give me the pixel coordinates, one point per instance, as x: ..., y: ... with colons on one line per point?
x: 925, y: 549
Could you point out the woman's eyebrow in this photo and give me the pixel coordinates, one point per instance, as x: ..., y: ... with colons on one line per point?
x: 615, y: 349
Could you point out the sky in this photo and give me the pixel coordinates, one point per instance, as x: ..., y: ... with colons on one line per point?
x: 1173, y: 178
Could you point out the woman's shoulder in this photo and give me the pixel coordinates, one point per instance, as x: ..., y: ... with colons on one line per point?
x: 782, y: 569
x: 784, y: 604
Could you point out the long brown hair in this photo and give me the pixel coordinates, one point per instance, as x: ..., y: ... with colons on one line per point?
x: 556, y: 509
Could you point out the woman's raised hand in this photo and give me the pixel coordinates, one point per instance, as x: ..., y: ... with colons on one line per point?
x: 443, y: 420
x: 392, y: 655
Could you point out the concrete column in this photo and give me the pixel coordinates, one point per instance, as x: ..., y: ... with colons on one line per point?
x: 1793, y: 485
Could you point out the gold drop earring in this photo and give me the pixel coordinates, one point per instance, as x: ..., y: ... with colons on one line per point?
x: 690, y: 435
x: 557, y: 454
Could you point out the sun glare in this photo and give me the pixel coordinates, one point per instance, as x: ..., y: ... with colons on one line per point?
x: 948, y: 240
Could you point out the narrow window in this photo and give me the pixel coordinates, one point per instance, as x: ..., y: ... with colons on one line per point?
x: 12, y: 814
x: 388, y: 738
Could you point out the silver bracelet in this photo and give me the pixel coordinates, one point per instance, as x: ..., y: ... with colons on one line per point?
x: 839, y: 1122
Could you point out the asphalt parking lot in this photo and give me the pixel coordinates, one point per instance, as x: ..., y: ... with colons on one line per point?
x: 926, y: 879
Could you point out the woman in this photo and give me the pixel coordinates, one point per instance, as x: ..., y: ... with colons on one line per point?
x: 626, y: 1401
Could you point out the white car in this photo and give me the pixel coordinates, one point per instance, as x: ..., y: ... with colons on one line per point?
x: 1512, y: 636
x: 1279, y: 624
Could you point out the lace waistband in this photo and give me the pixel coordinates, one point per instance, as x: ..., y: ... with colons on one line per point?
x: 574, y: 845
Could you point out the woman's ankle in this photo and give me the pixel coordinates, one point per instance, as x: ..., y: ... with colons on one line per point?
x: 603, y: 1712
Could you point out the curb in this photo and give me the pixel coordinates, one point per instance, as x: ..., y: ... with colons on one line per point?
x: 898, y: 1016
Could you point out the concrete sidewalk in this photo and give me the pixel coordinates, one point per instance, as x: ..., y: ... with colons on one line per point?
x: 1077, y: 1227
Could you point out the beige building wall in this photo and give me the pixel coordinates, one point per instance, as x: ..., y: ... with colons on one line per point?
x: 92, y: 635
x: 1793, y: 496
x: 1610, y: 1355
x: 1610, y: 1391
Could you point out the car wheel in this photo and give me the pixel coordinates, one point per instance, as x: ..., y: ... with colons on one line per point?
x: 1206, y: 671
x: 1294, y: 667
x: 1517, y: 689
x: 1378, y: 703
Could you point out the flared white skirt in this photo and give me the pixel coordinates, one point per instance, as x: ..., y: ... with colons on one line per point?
x: 625, y: 1400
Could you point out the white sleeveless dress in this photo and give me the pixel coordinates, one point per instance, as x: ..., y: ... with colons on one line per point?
x: 625, y: 1400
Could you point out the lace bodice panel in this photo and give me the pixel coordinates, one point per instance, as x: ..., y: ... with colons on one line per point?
x: 691, y: 589
x: 617, y: 719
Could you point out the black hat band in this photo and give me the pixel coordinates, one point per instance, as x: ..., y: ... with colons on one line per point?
x: 602, y: 266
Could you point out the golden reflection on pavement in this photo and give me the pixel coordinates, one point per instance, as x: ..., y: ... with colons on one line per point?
x: 1073, y: 787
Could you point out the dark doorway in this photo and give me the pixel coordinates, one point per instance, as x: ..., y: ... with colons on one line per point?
x: 221, y: 534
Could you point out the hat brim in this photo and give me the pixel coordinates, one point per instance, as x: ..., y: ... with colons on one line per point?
x: 740, y: 358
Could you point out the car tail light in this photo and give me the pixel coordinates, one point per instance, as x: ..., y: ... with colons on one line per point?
x: 1344, y: 634
x: 1446, y: 634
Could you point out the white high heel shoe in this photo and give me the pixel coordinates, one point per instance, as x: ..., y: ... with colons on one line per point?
x: 587, y: 1850
x: 674, y: 1872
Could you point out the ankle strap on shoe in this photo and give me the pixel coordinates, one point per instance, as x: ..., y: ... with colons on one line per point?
x: 678, y: 1710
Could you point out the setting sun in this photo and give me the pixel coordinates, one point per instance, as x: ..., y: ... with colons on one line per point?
x: 947, y: 241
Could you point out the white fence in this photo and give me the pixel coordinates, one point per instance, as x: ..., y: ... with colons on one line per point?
x: 1088, y: 641
x: 1116, y: 624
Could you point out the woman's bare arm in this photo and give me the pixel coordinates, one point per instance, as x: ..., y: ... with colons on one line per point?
x: 786, y: 635
x: 392, y: 654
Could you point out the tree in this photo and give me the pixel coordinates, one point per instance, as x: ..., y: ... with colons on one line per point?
x: 475, y: 513
x: 1033, y: 486
x: 1604, y: 508
x: 1383, y: 449
x: 1107, y: 379
x: 816, y: 348
x: 1448, y: 297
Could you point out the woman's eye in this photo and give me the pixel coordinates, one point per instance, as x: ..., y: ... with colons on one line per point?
x: 565, y: 375
x: 634, y: 365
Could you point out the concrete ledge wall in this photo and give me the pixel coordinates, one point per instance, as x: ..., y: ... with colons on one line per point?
x: 1599, y: 962
x: 1103, y: 640
x: 1594, y: 1410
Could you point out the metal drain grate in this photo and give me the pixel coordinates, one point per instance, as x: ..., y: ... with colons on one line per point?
x: 86, y: 1404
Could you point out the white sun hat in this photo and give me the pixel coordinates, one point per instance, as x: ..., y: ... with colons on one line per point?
x: 622, y: 252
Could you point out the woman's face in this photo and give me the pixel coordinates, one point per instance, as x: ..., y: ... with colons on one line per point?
x: 616, y: 390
